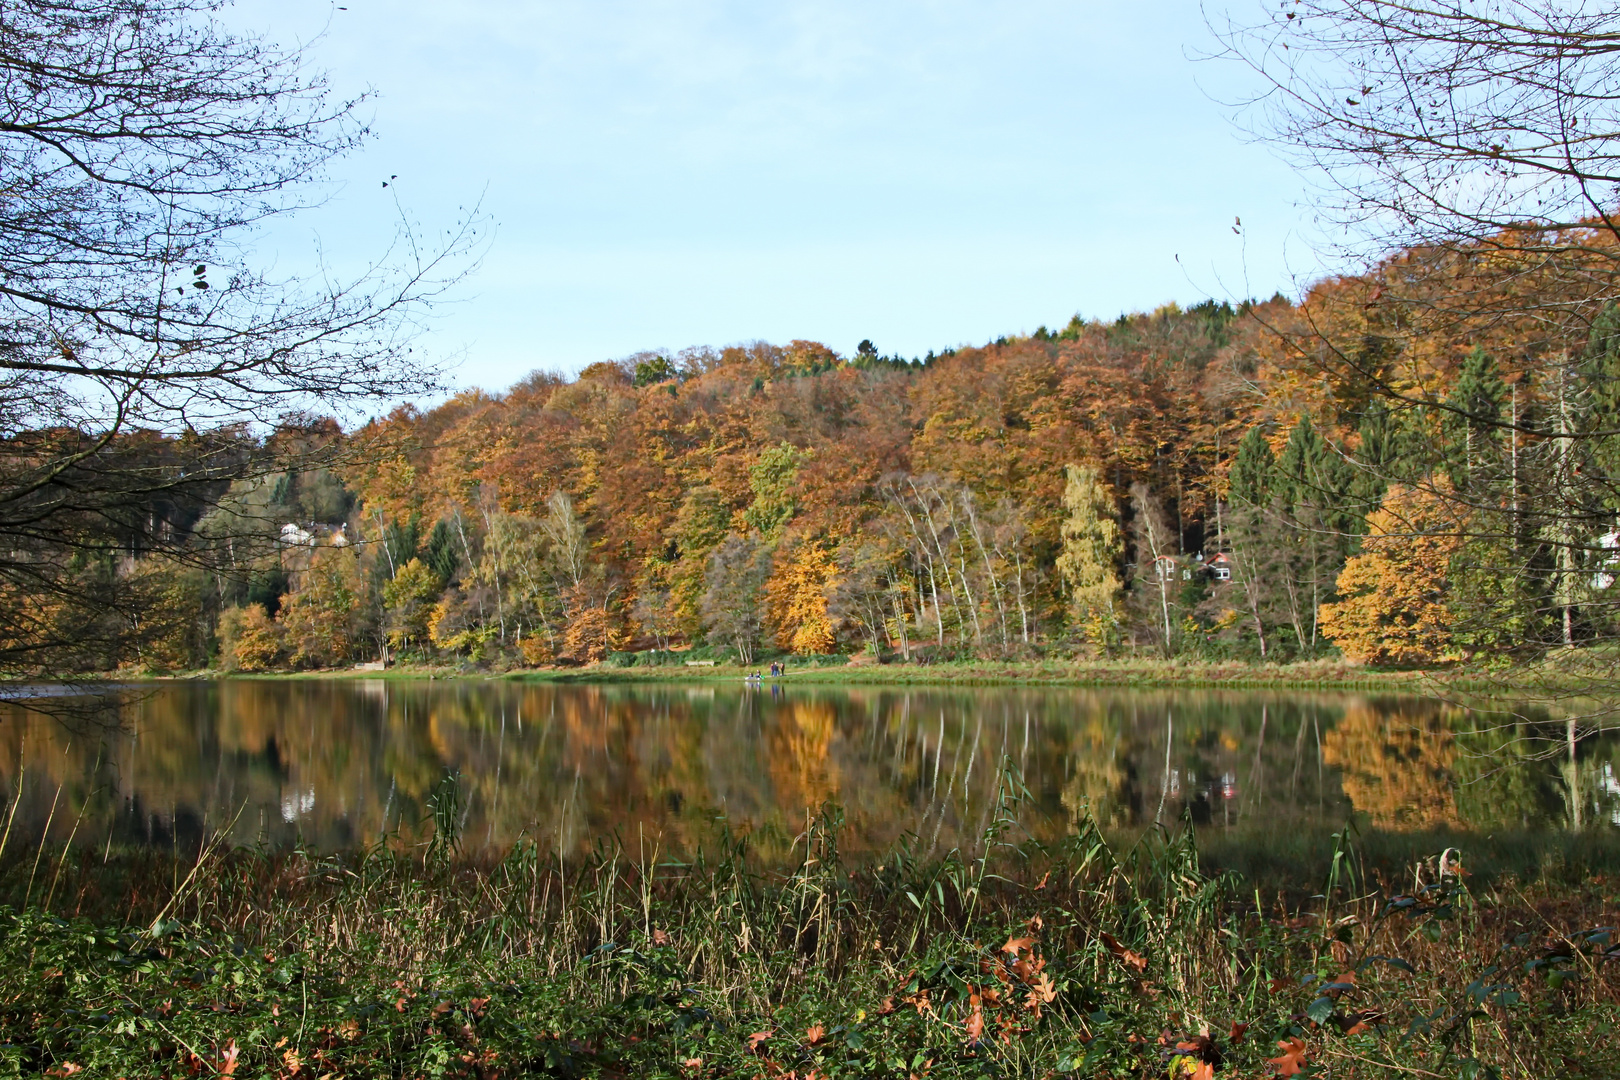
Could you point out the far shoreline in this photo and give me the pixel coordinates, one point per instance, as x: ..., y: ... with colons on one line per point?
x: 1142, y: 674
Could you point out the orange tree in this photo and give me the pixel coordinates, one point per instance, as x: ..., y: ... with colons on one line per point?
x: 1393, y: 595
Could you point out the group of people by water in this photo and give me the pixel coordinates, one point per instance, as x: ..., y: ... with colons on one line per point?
x: 777, y: 669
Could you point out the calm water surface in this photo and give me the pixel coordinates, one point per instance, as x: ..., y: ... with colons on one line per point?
x: 335, y: 763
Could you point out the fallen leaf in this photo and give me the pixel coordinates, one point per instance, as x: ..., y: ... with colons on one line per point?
x: 1235, y: 1036
x: 1292, y: 1058
x: 1125, y: 956
x: 1014, y: 944
x: 691, y: 1063
x: 660, y: 938
x: 226, y: 1066
x: 757, y: 1038
x: 975, y: 1024
x: 814, y: 1034
x: 1186, y: 1067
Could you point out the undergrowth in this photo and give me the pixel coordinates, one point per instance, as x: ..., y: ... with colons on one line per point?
x: 1015, y: 959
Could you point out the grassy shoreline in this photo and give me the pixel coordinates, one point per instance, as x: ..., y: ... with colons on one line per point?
x: 1081, y: 958
x: 1124, y: 674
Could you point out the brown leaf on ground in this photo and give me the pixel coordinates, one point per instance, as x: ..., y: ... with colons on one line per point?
x: 1292, y: 1058
x: 1133, y: 960
x: 814, y: 1034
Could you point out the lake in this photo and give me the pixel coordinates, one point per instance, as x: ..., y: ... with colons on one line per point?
x: 336, y: 763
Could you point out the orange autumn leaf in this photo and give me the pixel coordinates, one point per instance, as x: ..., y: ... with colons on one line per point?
x: 757, y: 1038
x: 975, y: 1024
x: 1015, y: 944
x: 814, y: 1034
x: 1133, y: 960
x: 1190, y: 1068
x: 1292, y: 1058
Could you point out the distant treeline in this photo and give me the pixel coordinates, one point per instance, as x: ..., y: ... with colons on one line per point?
x: 1272, y: 480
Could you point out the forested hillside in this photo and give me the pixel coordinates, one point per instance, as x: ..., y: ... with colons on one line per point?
x: 1274, y: 481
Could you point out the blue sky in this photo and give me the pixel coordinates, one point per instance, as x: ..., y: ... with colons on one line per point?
x: 925, y: 174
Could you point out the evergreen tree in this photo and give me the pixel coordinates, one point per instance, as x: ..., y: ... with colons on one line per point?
x: 440, y: 554
x: 1472, y: 421
x: 1253, y: 470
x: 1313, y: 523
x: 1378, y: 454
x: 1600, y: 385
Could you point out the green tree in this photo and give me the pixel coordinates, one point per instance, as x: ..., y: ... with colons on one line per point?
x: 1472, y: 422
x: 771, y: 479
x: 1253, y: 470
x: 441, y: 553
x: 1600, y: 378
x: 1312, y: 528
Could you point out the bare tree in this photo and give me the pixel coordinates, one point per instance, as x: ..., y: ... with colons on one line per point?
x: 1156, y: 564
x: 1434, y: 121
x: 732, y: 605
x: 140, y: 145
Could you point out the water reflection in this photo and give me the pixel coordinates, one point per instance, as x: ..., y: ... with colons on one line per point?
x: 335, y: 763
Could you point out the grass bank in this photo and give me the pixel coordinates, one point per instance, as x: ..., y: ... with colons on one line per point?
x: 1083, y: 958
x: 1146, y: 674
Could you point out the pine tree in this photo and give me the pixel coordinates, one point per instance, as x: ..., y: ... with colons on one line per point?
x: 1472, y: 422
x: 1089, y: 561
x: 1253, y: 470
x: 1600, y: 378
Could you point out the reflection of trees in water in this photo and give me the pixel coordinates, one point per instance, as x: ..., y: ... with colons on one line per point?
x: 1412, y: 764
x: 1396, y: 763
x: 801, y: 733
x: 338, y: 762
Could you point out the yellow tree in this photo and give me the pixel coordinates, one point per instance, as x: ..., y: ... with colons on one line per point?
x: 319, y: 617
x: 409, y: 598
x: 796, y: 597
x: 1089, y: 559
x: 1393, y: 595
